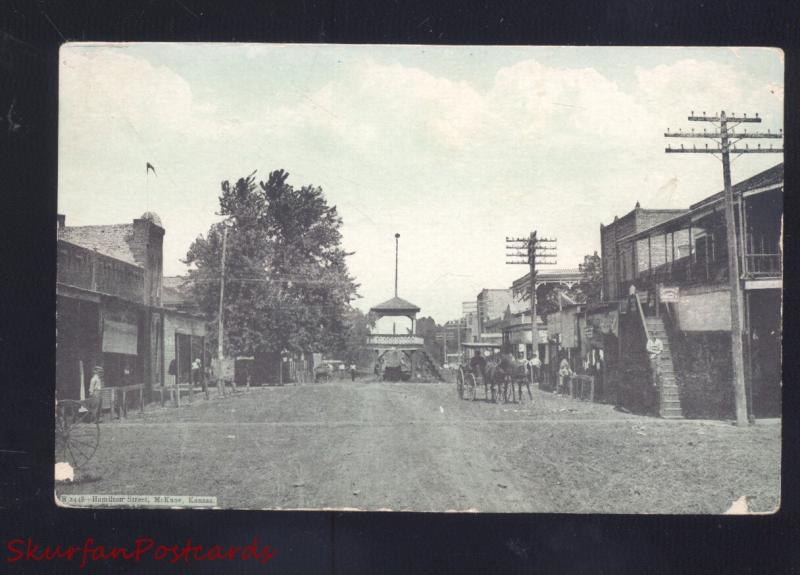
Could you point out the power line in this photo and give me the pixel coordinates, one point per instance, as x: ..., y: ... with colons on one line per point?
x: 532, y: 251
x: 724, y: 147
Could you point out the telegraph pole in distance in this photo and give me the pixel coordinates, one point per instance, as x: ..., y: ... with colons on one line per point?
x: 220, y: 328
x: 725, y: 139
x: 532, y: 251
x: 444, y: 344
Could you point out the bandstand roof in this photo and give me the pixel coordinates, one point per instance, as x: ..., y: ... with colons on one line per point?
x: 395, y: 305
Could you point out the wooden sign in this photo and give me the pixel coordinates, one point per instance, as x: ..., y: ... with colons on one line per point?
x: 669, y: 294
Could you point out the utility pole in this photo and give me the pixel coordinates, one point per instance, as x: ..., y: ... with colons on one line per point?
x: 725, y: 138
x: 444, y: 345
x: 396, y: 252
x: 532, y: 251
x: 220, y: 328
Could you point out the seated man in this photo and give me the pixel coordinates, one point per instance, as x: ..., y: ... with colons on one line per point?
x: 478, y: 364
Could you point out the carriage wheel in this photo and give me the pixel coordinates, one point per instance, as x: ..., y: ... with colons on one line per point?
x: 77, y: 433
x: 460, y: 384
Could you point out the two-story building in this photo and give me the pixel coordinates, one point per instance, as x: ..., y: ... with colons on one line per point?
x: 109, y: 305
x: 678, y: 266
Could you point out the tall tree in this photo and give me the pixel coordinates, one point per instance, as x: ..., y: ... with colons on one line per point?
x: 592, y: 282
x: 357, y: 329
x: 427, y: 329
x: 286, y: 280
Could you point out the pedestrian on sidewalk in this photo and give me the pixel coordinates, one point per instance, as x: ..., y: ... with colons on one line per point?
x: 95, y: 385
x: 196, y: 367
x: 352, y: 372
x: 534, y: 364
x: 564, y: 373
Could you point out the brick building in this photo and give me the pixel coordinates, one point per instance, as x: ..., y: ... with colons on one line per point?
x: 469, y: 311
x: 619, y: 258
x: 109, y: 305
x: 678, y: 267
x: 491, y: 305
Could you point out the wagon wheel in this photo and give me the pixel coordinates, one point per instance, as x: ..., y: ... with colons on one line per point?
x: 471, y: 385
x: 77, y: 433
x: 460, y: 383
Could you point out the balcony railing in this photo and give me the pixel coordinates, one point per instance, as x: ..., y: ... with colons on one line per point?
x: 394, y: 339
x: 763, y: 265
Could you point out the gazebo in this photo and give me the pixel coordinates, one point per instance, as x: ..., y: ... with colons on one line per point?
x: 395, y: 307
x: 398, y: 355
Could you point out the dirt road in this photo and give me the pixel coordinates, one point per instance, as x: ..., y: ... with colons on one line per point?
x: 411, y: 446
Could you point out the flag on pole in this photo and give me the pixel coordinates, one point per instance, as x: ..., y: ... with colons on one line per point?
x: 150, y: 167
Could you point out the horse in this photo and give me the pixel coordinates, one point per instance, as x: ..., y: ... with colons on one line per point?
x: 502, y: 372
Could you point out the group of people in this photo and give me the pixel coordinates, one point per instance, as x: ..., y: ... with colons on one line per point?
x: 533, y: 367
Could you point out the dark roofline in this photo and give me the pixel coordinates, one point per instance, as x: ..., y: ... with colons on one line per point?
x: 642, y: 210
x: 398, y: 304
x: 769, y: 178
x: 103, y: 254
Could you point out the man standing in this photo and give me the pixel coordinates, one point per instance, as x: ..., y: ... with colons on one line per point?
x: 95, y: 385
x: 564, y: 373
x: 196, y: 366
x: 535, y: 364
x: 352, y: 372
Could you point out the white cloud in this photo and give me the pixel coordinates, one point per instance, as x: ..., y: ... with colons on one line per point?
x: 98, y: 85
x: 453, y: 161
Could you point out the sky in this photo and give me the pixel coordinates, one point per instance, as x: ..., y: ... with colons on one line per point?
x: 454, y: 148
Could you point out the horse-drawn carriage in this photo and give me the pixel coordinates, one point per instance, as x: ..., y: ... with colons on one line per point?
x: 497, y: 372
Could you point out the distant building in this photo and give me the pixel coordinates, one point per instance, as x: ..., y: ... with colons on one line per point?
x: 517, y: 324
x: 469, y: 310
x: 492, y: 304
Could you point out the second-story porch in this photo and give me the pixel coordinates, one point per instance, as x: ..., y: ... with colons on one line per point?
x: 691, y: 249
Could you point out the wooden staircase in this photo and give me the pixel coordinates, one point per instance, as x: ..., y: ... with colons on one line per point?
x: 669, y: 398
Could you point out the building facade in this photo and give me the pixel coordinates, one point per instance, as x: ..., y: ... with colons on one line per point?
x: 109, y: 308
x: 492, y: 304
x: 678, y: 268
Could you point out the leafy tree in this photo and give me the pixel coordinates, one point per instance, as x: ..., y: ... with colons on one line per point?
x: 357, y: 329
x: 427, y: 329
x: 588, y: 290
x: 591, y: 285
x: 286, y: 280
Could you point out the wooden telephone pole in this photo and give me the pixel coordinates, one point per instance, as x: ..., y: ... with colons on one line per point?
x: 220, y: 327
x: 532, y: 251
x: 222, y: 291
x: 725, y: 138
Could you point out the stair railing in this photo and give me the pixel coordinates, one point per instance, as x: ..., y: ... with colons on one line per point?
x: 641, y: 316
